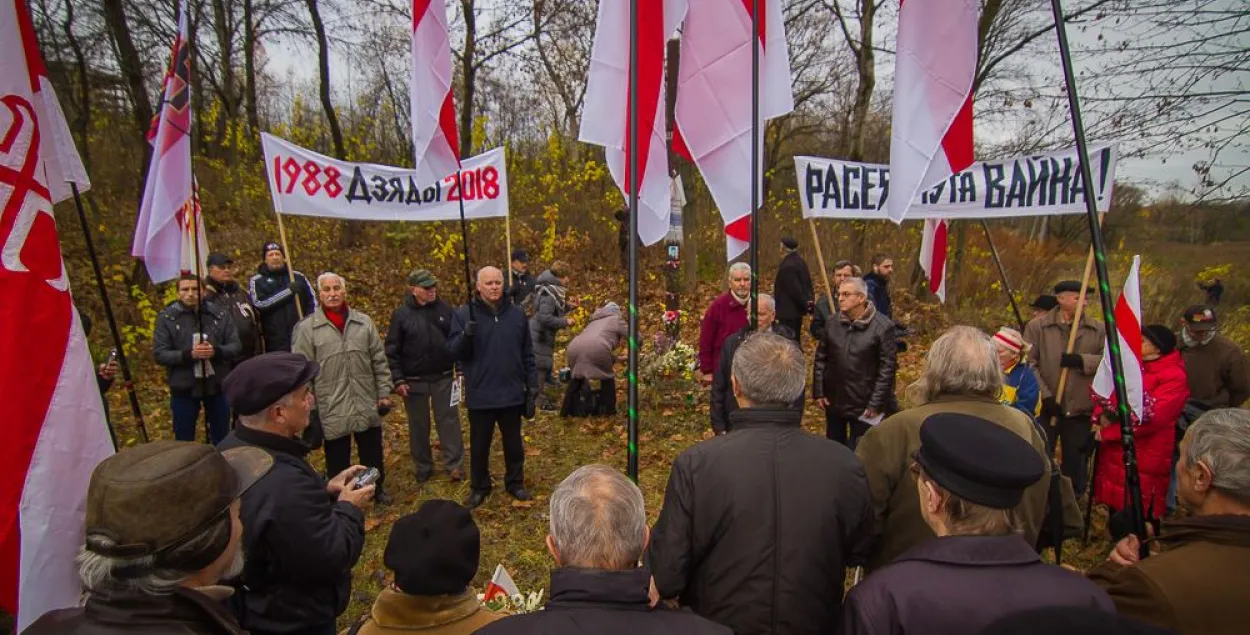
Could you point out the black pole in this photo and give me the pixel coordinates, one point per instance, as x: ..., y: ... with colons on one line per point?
x: 1002, y: 273
x: 754, y: 257
x: 632, y: 423
x: 108, y: 314
x: 464, y: 238
x: 1132, y: 477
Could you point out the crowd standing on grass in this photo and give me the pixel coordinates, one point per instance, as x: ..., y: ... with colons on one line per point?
x: 938, y: 511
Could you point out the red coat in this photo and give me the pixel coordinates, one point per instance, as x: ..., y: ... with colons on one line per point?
x: 724, y: 317
x: 1166, y: 391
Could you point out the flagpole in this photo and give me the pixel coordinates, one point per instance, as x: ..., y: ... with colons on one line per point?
x: 108, y: 314
x: 1002, y: 273
x: 464, y: 238
x: 632, y: 423
x: 205, y: 365
x: 755, y: 163
x: 507, y: 257
x: 1132, y: 477
x: 290, y: 265
x: 820, y: 260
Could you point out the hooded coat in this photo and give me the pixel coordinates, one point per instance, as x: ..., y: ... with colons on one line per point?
x: 549, y: 314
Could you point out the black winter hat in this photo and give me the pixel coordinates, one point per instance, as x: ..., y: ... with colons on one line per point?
x: 790, y: 243
x: 271, y: 246
x: 1045, y: 302
x: 435, y: 550
x: 977, y: 459
x: 1161, y: 336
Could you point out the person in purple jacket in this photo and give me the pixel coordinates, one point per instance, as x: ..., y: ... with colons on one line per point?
x: 725, y: 316
x: 971, y: 474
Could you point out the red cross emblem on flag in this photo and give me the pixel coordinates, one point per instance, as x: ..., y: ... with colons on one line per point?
x: 27, y: 228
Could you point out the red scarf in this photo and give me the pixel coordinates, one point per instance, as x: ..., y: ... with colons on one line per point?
x: 338, y: 318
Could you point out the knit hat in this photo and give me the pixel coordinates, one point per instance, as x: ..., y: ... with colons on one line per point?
x: 1012, y: 340
x: 271, y: 246
x: 1161, y: 336
x: 434, y: 551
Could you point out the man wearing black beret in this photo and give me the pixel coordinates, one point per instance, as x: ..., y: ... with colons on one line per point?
x: 302, y: 534
x: 1066, y: 417
x: 971, y: 474
x: 792, y: 288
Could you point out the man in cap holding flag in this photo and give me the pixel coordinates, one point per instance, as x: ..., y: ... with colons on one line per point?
x: 283, y: 297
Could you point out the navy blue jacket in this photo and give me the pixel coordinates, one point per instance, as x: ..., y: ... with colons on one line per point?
x: 879, y: 293
x: 498, y: 361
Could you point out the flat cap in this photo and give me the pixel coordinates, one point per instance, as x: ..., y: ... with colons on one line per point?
x: 435, y: 550
x: 789, y: 242
x: 1201, y: 318
x: 977, y: 459
x: 218, y: 259
x: 1072, y: 285
x: 422, y: 278
x: 261, y: 381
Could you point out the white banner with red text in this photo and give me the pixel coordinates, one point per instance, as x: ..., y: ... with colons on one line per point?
x: 1034, y: 185
x: 306, y: 183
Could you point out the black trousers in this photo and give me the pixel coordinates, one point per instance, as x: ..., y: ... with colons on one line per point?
x: 1075, y: 436
x: 481, y: 432
x: 836, y: 428
x: 795, y: 325
x: 368, y: 446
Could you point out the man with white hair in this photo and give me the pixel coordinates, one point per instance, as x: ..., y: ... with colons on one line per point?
x: 598, y: 533
x: 353, y: 390
x: 162, y: 528
x: 759, y: 525
x: 1195, y: 584
x: 725, y: 316
x: 723, y: 401
x: 961, y: 376
x: 853, y: 374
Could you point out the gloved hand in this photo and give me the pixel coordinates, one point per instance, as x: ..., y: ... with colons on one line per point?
x: 470, y: 329
x: 809, y: 308
x: 1050, y: 408
x: 1071, y: 360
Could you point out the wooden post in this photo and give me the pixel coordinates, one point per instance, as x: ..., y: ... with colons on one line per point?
x: 290, y: 266
x: 820, y: 261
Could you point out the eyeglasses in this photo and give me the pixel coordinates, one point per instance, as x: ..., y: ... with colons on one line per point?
x: 847, y: 294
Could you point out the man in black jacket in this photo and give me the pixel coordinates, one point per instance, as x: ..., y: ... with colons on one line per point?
x: 422, y: 369
x: 878, y: 282
x: 598, y: 532
x: 195, y: 366
x: 842, y: 270
x: 853, y: 375
x: 282, y: 297
x: 759, y: 525
x: 233, y: 300
x: 302, y: 535
x: 723, y: 400
x: 792, y: 288
x: 522, y: 282
x: 490, y: 338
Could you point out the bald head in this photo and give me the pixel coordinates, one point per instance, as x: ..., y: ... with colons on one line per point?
x: 490, y: 284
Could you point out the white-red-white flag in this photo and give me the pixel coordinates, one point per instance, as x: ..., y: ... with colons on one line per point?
x: 605, y: 120
x: 500, y: 584
x: 934, y: 69
x: 54, y: 432
x: 933, y: 255
x: 1128, y: 326
x: 435, y: 142
x: 713, y: 111
x: 168, y: 213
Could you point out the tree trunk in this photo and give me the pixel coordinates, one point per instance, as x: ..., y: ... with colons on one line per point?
x: 865, y: 60
x: 351, y: 232
x: 132, y: 71
x: 229, y: 90
x: 249, y: 68
x: 82, y: 120
x: 469, y: 75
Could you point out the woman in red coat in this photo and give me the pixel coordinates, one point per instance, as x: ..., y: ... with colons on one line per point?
x: 1166, y: 389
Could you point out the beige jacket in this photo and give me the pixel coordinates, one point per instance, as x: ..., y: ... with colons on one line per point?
x: 1048, y: 335
x: 395, y: 612
x: 354, y: 372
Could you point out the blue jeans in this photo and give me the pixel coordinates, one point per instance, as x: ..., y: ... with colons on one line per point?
x: 186, y: 414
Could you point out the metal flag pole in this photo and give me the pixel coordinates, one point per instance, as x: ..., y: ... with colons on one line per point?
x: 108, y: 314
x: 755, y: 162
x: 632, y: 423
x: 1132, y: 477
x: 1002, y: 273
x: 464, y: 238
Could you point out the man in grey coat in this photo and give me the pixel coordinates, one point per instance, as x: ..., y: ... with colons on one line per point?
x: 551, y: 305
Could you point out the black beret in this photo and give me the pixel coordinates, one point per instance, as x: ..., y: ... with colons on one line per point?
x: 435, y: 550
x: 1072, y: 285
x: 977, y: 459
x: 1046, y: 302
x: 261, y: 381
x: 790, y: 243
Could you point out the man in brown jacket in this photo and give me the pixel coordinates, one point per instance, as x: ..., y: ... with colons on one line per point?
x: 962, y: 376
x: 1216, y: 366
x: 1197, y: 584
x: 1067, y: 416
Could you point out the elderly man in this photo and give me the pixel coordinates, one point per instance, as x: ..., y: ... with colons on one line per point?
x: 878, y: 282
x: 1042, y: 305
x: 853, y: 375
x: 723, y: 400
x: 423, y: 372
x: 1219, y: 376
x: 162, y: 529
x: 725, y: 316
x: 1067, y: 416
x: 758, y: 525
x: 282, y: 297
x: 598, y: 533
x: 792, y: 288
x: 197, y: 346
x: 842, y: 270
x: 302, y: 534
x: 961, y: 376
x: 491, y: 339
x: 355, y: 381
x: 1197, y: 584
x: 221, y: 290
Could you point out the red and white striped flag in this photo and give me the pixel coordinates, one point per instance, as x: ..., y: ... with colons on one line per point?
x: 933, y: 255
x: 713, y: 113
x: 168, y: 213
x: 1128, y: 326
x: 605, y: 121
x: 435, y: 142
x: 54, y: 432
x: 934, y: 70
x: 500, y: 584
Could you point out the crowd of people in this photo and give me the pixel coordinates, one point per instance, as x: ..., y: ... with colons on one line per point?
x: 940, y: 501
